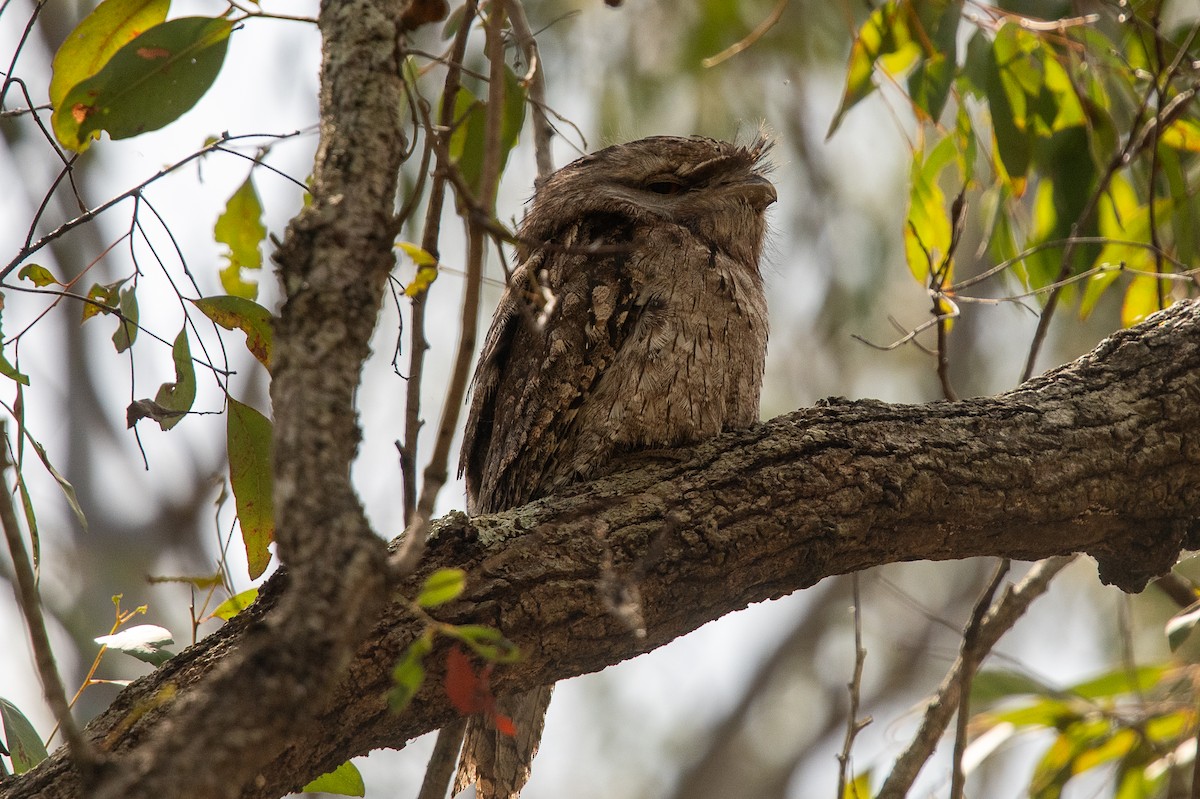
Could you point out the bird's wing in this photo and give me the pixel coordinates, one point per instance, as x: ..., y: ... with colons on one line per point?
x: 565, y: 314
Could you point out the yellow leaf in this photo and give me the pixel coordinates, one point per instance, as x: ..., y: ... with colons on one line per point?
x: 427, y: 271
x: 1182, y: 134
x: 240, y: 228
x: 419, y: 256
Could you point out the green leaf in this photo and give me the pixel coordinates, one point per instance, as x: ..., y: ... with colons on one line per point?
x: 1053, y: 770
x: 147, y: 84
x: 929, y: 83
x: 1058, y: 102
x: 248, y: 438
x: 178, y: 397
x: 1125, y: 221
x: 1048, y: 713
x: 1137, y: 782
x: 6, y: 368
x: 1080, y: 747
x: 466, y: 144
x: 1002, y: 244
x: 35, y: 539
x: 453, y: 22
x: 487, y: 642
x: 39, y: 275
x: 240, y: 228
x: 993, y: 685
x: 978, y: 66
x: 965, y: 144
x: 11, y: 372
x: 64, y: 484
x: 1118, y: 745
x: 24, y: 745
x: 1142, y: 299
x: 927, y: 228
x: 146, y: 642
x: 443, y: 586
x: 236, y: 604
x: 409, y: 674
x: 1167, y: 729
x: 1119, y: 682
x: 1010, y: 70
x: 97, y: 37
x: 1041, y: 268
x: 885, y: 33
x: 1121, y: 216
x: 104, y: 299
x: 255, y: 321
x: 127, y: 325
x: 345, y: 780
x: 1185, y: 214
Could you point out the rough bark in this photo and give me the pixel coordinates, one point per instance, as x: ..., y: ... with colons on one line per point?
x: 1100, y: 456
x: 333, y: 266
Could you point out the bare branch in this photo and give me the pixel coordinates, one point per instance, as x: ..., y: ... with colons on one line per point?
x: 437, y: 471
x: 88, y: 216
x: 1012, y: 605
x: 853, y: 724
x: 82, y: 754
x: 971, y: 654
x: 418, y: 345
x: 535, y: 80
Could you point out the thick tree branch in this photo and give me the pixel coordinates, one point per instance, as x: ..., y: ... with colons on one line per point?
x: 333, y: 265
x: 1101, y: 456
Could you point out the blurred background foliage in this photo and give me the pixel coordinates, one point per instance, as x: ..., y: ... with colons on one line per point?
x: 967, y: 134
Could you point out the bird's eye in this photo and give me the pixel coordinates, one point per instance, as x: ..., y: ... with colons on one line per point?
x: 666, y: 187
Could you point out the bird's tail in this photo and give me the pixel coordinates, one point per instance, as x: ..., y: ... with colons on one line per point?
x: 496, y: 763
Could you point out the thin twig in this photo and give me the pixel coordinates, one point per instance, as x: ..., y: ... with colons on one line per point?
x: 440, y: 768
x: 957, y: 288
x: 418, y: 344
x: 1160, y: 79
x: 853, y: 724
x: 1187, y: 276
x: 13, y: 113
x: 1004, y: 614
x: 535, y: 81
x: 938, y: 280
x: 12, y: 64
x: 970, y: 656
x: 88, y: 216
x: 436, y: 472
x: 749, y: 39
x: 82, y: 755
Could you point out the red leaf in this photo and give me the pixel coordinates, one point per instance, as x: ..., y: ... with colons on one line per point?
x: 470, y: 693
x: 467, y: 691
x: 503, y: 724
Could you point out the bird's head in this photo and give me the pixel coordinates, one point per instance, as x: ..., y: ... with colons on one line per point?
x: 716, y: 189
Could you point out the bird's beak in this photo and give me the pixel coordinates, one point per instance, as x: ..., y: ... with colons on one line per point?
x: 757, y: 190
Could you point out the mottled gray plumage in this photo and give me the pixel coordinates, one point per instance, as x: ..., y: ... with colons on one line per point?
x: 634, y: 320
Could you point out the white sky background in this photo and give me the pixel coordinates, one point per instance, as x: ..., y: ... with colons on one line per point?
x: 602, y: 728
